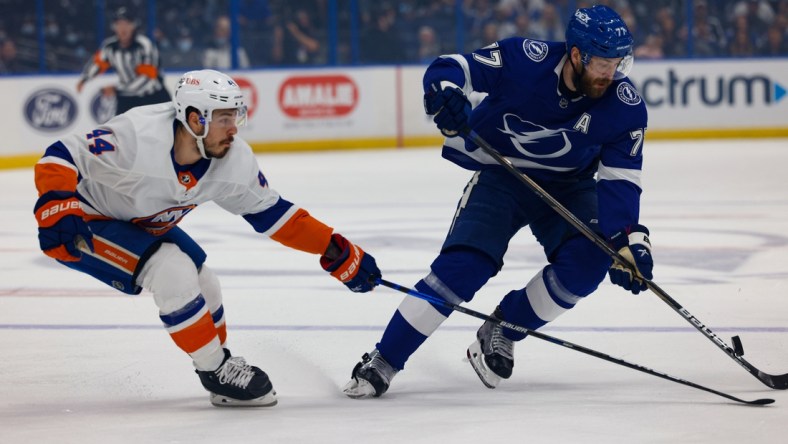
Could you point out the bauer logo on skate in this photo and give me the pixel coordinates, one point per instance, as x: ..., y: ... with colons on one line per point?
x: 163, y: 221
x: 318, y: 96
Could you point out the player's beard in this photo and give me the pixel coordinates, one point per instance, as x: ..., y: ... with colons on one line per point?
x: 593, y: 88
x: 221, y: 149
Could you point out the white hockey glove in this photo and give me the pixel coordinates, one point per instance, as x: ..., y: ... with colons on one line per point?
x: 634, y: 245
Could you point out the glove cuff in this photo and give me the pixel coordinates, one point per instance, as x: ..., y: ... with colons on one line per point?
x: 342, y: 244
x: 640, y: 238
x: 52, y: 195
x: 633, y: 235
x: 347, y: 265
x: 445, y: 84
x: 430, y: 107
x: 55, y: 205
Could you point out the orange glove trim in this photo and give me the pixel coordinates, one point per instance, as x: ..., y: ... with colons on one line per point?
x: 55, y: 210
x: 350, y: 267
x: 60, y: 253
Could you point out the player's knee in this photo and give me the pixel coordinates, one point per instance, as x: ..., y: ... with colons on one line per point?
x: 171, y: 276
x: 580, y: 266
x: 459, y: 273
x: 210, y: 288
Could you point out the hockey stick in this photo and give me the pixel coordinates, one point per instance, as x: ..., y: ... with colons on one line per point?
x: 562, y: 343
x: 774, y: 381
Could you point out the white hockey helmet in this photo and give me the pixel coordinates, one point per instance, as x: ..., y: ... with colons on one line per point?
x: 207, y: 90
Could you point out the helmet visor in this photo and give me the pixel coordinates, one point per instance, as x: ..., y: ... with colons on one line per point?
x: 241, y: 117
x: 230, y: 117
x: 624, y: 67
x: 617, y: 68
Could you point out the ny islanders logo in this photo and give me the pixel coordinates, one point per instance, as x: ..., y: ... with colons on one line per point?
x: 162, y: 221
x: 534, y: 140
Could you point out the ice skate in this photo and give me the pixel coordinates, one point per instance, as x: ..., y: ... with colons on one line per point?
x: 238, y: 384
x: 370, y: 378
x: 492, y: 354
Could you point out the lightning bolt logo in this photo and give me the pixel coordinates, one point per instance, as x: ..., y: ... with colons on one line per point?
x: 538, y: 138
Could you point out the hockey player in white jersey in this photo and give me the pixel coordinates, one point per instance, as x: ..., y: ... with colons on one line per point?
x: 110, y: 201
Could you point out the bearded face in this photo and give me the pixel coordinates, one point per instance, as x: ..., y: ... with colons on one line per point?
x: 220, y: 133
x: 593, y: 78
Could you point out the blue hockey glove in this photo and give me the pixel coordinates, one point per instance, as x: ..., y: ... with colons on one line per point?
x: 450, y: 107
x: 61, y: 227
x: 353, y: 267
x: 633, y: 244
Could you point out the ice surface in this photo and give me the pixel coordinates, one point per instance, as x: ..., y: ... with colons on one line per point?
x: 85, y: 364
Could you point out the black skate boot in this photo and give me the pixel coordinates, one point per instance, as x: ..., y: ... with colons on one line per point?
x: 238, y: 384
x: 370, y: 378
x: 492, y: 354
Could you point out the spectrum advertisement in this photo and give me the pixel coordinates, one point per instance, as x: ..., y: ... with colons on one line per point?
x: 372, y: 107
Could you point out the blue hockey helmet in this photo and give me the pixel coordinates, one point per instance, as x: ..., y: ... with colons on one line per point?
x: 599, y: 31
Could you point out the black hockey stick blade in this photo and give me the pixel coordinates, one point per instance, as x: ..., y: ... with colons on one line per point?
x: 737, y: 347
x: 779, y: 382
x: 562, y: 343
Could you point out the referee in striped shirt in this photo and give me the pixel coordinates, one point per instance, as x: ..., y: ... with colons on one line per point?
x: 135, y: 59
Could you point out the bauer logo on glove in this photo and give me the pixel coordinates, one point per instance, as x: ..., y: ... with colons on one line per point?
x: 61, y: 207
x: 60, y: 225
x: 353, y: 267
x: 348, y: 273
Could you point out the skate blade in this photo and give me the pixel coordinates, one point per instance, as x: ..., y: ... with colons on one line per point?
x: 267, y: 400
x: 476, y: 358
x: 358, y: 389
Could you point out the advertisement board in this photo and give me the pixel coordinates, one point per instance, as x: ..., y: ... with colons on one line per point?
x: 369, y: 107
x: 715, y: 96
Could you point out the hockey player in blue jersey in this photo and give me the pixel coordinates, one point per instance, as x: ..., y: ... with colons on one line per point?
x: 566, y: 115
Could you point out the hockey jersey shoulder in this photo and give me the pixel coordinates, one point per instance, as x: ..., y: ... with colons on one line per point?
x: 539, y: 51
x: 525, y: 51
x: 110, y: 153
x: 528, y: 60
x: 626, y: 106
x: 143, y: 135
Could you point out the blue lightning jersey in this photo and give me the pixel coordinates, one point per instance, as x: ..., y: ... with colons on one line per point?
x: 550, y: 136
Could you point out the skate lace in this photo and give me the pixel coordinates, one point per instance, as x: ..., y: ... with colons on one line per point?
x: 500, y: 344
x: 235, y: 371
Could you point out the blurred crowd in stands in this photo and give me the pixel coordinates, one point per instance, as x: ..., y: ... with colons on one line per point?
x: 62, y: 35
